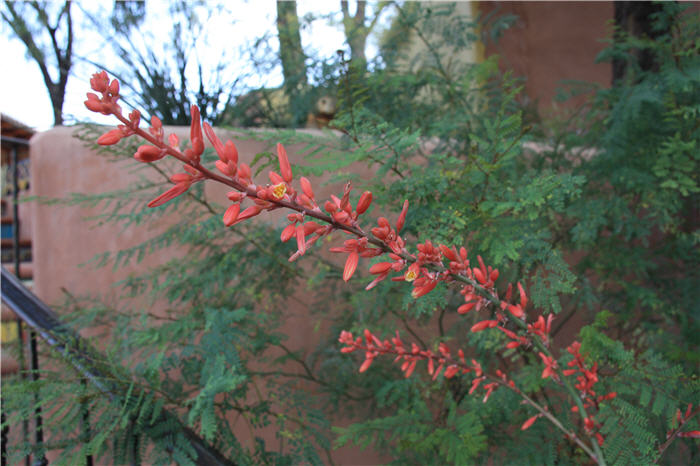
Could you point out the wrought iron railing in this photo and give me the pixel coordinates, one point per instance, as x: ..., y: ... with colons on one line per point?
x: 76, y: 351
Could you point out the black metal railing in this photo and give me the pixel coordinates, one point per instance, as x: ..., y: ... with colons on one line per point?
x: 76, y: 351
x: 14, y: 168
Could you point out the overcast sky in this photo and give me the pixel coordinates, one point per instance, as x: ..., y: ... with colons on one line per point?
x: 23, y: 95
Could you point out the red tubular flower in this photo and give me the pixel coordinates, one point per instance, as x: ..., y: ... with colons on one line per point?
x: 447, y: 252
x: 483, y: 325
x: 225, y: 168
x: 114, y: 88
x: 110, y: 137
x: 479, y: 276
x: 517, y: 311
x: 99, y: 81
x: 95, y: 104
x: 475, y: 384
x: 523, y: 296
x: 368, y: 362
x: 306, y: 187
x: 301, y: 239
x: 251, y: 211
x: 380, y: 267
x: 489, y: 389
x: 182, y: 178
x: 196, y: 138
x: 288, y: 232
x: 526, y: 425
x: 231, y: 214
x: 350, y: 265
x: 364, y: 202
x: 156, y: 128
x: 423, y: 290
x: 402, y: 217
x: 464, y: 308
x: 174, y: 141
x: 244, y: 171
x: 376, y: 281
x: 147, y: 153
x: 550, y: 366
x: 231, y: 152
x: 170, y: 194
x: 215, y: 141
x: 285, y: 168
x: 482, y: 266
x: 451, y: 371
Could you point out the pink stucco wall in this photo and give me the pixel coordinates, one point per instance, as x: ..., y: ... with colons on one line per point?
x: 63, y: 239
x: 551, y: 42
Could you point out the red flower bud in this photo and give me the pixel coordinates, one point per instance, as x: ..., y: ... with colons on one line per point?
x: 350, y: 265
x: 479, y: 276
x: 110, y: 137
x: 380, y: 267
x: 464, y: 308
x: 147, y: 153
x: 251, y: 211
x: 526, y: 425
x: 364, y: 202
x: 196, y: 132
x: 285, y: 168
x: 114, y: 88
x: 244, y: 171
x: 231, y: 214
x: 483, y: 325
x: 275, y: 178
x: 449, y: 253
x: 402, y: 217
x: 523, y: 296
x: 181, y: 178
x: 301, y: 239
x: 306, y: 187
x: 288, y: 232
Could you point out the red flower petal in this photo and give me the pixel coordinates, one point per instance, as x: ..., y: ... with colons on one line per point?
x: 350, y: 265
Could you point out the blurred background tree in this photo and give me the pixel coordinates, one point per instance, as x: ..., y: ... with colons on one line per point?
x: 46, y: 29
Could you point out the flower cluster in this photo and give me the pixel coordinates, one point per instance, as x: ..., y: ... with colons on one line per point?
x: 424, y: 269
x: 440, y: 362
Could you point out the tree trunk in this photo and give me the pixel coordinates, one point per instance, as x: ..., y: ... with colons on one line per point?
x: 634, y: 18
x: 18, y: 20
x: 291, y: 53
x: 356, y: 34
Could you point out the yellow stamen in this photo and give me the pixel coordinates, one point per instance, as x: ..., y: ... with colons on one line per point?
x: 279, y: 190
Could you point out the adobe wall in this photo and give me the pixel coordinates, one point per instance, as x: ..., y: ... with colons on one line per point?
x: 551, y: 42
x: 63, y: 240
